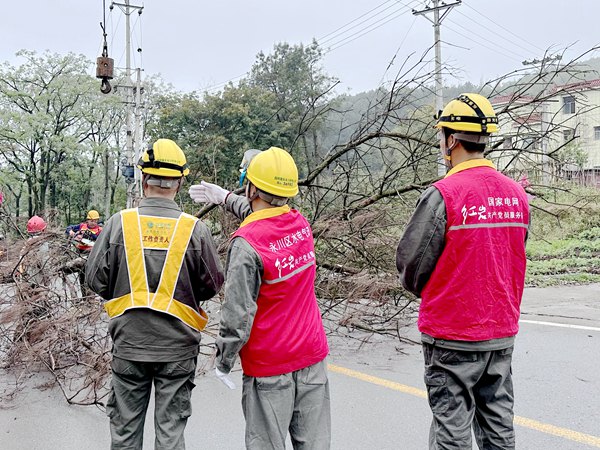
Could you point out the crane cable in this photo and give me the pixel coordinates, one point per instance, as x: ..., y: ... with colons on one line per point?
x: 103, y: 26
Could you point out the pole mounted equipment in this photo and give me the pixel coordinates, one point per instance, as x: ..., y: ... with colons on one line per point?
x: 104, y: 64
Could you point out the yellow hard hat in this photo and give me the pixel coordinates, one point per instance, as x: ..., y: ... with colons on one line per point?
x: 469, y: 112
x: 274, y: 172
x: 93, y: 215
x: 164, y: 159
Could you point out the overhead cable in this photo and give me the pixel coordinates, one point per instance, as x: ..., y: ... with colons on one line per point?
x: 365, y: 21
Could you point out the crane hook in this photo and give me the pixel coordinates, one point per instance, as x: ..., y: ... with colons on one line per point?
x: 105, y: 87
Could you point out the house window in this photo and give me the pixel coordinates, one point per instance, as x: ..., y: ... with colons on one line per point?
x: 597, y: 133
x: 567, y: 134
x: 569, y: 105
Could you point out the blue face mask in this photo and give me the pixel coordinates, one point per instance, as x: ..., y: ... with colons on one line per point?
x: 242, y: 176
x: 248, y: 155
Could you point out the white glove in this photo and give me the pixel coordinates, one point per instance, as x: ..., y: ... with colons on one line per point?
x: 224, y: 378
x: 208, y: 193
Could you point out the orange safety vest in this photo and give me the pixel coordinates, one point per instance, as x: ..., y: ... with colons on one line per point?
x: 82, y: 228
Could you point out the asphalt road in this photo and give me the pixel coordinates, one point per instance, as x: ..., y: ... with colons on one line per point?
x: 378, y: 397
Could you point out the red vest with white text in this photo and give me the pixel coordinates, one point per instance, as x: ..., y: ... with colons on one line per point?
x: 475, y: 290
x: 287, y: 333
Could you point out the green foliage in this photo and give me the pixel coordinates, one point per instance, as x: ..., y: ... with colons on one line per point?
x: 53, y: 121
x: 277, y: 105
x: 565, y: 248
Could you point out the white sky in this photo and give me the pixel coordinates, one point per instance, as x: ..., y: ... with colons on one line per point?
x: 197, y: 44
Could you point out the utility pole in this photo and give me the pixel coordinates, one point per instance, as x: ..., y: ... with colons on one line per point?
x: 132, y: 103
x: 544, y: 122
x: 437, y: 20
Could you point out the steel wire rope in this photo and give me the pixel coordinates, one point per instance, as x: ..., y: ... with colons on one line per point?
x: 103, y: 24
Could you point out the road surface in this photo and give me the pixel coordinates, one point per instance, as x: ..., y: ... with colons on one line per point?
x: 377, y: 389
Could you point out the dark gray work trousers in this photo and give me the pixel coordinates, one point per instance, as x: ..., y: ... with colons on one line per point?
x: 297, y: 402
x: 131, y: 386
x: 470, y: 389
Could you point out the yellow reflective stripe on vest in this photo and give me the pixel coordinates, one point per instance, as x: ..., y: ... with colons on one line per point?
x: 173, y: 261
x: 134, y: 254
x: 162, y: 300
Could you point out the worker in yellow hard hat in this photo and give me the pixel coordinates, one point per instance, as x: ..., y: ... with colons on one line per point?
x: 86, y: 233
x: 154, y: 265
x: 270, y: 315
x: 463, y: 254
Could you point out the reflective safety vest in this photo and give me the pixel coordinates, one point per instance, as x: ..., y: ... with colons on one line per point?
x: 82, y: 229
x: 475, y: 290
x: 171, y: 235
x: 287, y: 333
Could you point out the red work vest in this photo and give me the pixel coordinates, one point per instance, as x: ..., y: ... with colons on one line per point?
x: 287, y: 333
x: 475, y: 290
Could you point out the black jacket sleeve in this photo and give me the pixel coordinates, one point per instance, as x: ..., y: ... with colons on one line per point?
x: 422, y: 242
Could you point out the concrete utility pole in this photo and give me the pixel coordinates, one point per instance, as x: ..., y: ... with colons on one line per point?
x: 133, y: 104
x: 544, y: 122
x: 437, y: 20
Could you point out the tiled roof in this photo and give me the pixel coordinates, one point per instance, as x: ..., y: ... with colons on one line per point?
x: 530, y: 118
x: 501, y: 99
x: 580, y: 85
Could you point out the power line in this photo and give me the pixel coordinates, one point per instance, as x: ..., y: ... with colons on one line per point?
x: 435, y: 10
x: 340, y: 42
x: 397, y: 50
x: 217, y: 86
x: 505, y: 29
x: 379, y: 20
x: 354, y: 20
x: 374, y: 26
x: 337, y: 37
x: 484, y: 39
x: 517, y: 44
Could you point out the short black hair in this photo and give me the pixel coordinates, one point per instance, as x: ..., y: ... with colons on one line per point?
x: 470, y: 147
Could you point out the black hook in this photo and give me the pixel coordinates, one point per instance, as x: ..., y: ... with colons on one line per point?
x: 105, y: 87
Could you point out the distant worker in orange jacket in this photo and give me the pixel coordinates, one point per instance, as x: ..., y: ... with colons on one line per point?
x: 86, y: 233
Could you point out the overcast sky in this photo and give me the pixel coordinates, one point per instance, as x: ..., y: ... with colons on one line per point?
x: 197, y: 45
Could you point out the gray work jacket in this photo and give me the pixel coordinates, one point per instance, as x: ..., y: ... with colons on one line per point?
x: 142, y: 334
x: 244, y: 275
